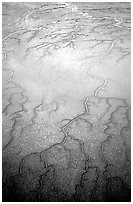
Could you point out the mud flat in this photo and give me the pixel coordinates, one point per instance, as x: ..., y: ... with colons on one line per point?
x: 66, y: 102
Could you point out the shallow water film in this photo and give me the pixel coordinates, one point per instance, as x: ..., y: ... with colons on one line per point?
x: 66, y: 102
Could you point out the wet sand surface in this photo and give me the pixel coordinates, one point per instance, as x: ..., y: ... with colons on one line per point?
x: 66, y: 90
